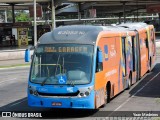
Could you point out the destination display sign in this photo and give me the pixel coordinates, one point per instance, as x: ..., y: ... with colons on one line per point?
x: 65, y: 49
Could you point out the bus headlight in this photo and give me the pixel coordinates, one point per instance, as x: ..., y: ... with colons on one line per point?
x: 85, y: 91
x: 35, y: 93
x: 32, y: 90
x: 81, y: 94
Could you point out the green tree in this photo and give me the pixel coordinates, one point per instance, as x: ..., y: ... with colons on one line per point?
x: 21, y: 16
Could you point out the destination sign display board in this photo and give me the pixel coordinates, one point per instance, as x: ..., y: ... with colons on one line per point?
x: 65, y: 49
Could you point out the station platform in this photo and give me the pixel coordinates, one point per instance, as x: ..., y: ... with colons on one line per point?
x: 13, y: 48
x: 12, y: 53
x: 9, y: 53
x: 12, y: 56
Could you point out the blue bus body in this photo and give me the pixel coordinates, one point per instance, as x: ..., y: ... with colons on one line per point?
x: 60, y: 102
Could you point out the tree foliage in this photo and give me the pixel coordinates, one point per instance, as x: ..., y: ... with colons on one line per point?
x: 20, y: 16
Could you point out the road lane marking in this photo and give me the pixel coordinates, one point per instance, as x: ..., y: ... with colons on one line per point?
x: 7, y: 80
x: 137, y: 92
x: 133, y: 95
x: 18, y: 102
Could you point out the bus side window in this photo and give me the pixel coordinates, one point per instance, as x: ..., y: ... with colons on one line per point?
x: 146, y: 42
x: 124, y: 55
x: 153, y: 42
x: 152, y: 34
x: 99, y: 65
x: 133, y: 53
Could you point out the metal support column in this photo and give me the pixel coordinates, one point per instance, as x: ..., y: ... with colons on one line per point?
x: 13, y: 15
x: 152, y: 16
x: 134, y: 19
x: 137, y: 10
x: 5, y: 16
x: 158, y: 18
x: 53, y: 16
x: 35, y: 24
x: 45, y: 13
x: 79, y: 11
x: 124, y: 12
x: 119, y: 15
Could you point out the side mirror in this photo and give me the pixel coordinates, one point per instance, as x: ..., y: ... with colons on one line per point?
x: 31, y: 47
x: 27, y: 55
x: 31, y: 57
x: 100, y: 56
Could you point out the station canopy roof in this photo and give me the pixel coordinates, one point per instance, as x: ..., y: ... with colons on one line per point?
x: 101, y: 6
x: 22, y: 1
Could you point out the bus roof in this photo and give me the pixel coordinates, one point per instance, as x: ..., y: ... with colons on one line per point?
x: 133, y: 26
x: 84, y: 34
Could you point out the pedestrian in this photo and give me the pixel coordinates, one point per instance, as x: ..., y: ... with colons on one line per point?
x: 11, y: 40
x: 1, y: 38
x: 14, y: 40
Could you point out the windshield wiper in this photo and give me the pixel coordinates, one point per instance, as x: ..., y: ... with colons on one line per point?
x: 71, y: 83
x: 63, y: 70
x: 57, y: 65
x: 44, y: 81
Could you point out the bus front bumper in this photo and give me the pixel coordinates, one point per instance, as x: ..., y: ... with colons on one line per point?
x: 70, y: 102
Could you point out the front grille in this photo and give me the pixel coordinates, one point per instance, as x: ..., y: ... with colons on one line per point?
x: 58, y: 94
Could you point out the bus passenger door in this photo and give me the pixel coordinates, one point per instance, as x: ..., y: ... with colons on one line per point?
x: 152, y: 48
x: 134, y: 59
x: 124, y: 61
x: 147, y: 50
x: 148, y: 39
x: 137, y: 56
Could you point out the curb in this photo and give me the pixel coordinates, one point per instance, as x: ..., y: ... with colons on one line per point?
x: 26, y: 66
x: 12, y: 54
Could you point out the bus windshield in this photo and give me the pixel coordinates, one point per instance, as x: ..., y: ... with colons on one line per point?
x: 62, y: 64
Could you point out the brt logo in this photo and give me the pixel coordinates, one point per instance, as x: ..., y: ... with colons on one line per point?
x: 106, y: 52
x: 6, y: 114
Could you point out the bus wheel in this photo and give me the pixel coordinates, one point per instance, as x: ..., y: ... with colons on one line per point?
x: 108, y: 92
x: 150, y: 65
x: 129, y: 82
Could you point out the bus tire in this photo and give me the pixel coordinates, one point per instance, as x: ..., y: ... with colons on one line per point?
x: 129, y: 82
x: 150, y: 65
x: 108, y: 90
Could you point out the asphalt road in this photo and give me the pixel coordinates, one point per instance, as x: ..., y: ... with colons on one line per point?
x: 143, y: 96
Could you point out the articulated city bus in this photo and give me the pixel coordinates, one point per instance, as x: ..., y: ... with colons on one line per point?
x: 85, y: 66
x: 145, y: 36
